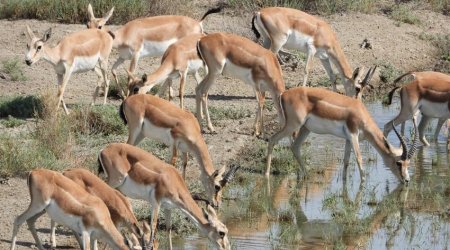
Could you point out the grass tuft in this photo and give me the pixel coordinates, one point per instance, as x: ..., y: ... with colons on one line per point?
x: 20, y: 106
x: 13, y: 68
x: 12, y: 122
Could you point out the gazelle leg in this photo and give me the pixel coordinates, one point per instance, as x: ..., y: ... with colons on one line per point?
x: 310, y: 54
x: 104, y: 71
x: 260, y: 97
x: 439, y: 125
x: 355, y: 146
x: 348, y: 151
x: 168, y: 215
x: 284, y: 132
x: 98, y: 85
x: 116, y: 64
x: 32, y: 226
x: 34, y: 211
x: 174, y: 155
x: 86, y: 239
x: 185, y: 161
x: 422, y: 126
x: 181, y: 90
x: 53, y: 233
x: 153, y: 224
x: 296, y: 147
x: 202, y: 98
x: 62, y: 87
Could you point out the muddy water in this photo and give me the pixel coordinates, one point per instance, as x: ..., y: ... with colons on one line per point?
x: 287, y: 213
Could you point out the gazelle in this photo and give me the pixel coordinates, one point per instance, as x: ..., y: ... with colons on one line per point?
x: 429, y: 93
x: 150, y: 36
x: 180, y: 59
x: 97, y: 23
x: 239, y: 57
x: 77, y: 52
x: 140, y: 175
x: 326, y: 112
x: 153, y: 117
x: 70, y: 205
x: 118, y: 205
x: 295, y: 29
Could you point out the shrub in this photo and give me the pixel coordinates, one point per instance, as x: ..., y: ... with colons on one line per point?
x: 13, y: 68
x: 20, y: 106
x: 103, y: 120
x: 388, y: 72
x: 403, y: 14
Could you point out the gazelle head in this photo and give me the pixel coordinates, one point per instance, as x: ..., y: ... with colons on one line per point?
x: 220, y: 180
x: 401, y: 164
x: 135, y: 83
x: 360, y: 86
x: 216, y: 231
x: 35, y: 46
x: 97, y: 23
x: 359, y: 83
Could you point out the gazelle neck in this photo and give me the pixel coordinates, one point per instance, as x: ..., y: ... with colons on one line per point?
x: 194, y: 212
x: 160, y: 75
x: 376, y: 138
x: 341, y: 63
x: 204, y: 157
x: 51, y: 55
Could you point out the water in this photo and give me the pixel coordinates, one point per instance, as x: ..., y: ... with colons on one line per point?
x: 285, y: 213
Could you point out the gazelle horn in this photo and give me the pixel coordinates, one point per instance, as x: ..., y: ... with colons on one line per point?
x: 413, y: 148
x: 229, y: 175
x: 402, y: 141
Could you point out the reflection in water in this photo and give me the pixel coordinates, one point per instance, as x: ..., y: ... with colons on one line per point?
x: 322, y: 211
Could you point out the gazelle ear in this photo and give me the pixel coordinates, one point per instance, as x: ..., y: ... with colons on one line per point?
x: 108, y: 15
x: 355, y: 73
x: 90, y: 12
x: 144, y: 78
x: 29, y: 33
x: 47, y: 35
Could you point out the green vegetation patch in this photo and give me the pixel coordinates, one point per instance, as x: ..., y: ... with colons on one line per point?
x: 12, y: 122
x: 13, y: 68
x: 229, y: 113
x: 76, y: 11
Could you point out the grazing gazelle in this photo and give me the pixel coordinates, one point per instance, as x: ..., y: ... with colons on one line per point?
x: 239, y: 57
x: 140, y: 175
x: 295, y: 29
x: 325, y: 112
x: 429, y: 93
x: 118, y: 205
x: 150, y: 36
x: 70, y: 205
x: 77, y: 52
x: 153, y: 117
x: 180, y: 59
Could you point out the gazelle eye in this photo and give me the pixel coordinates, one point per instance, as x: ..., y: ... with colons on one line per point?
x: 39, y: 47
x: 217, y: 187
x: 221, y: 234
x: 100, y: 27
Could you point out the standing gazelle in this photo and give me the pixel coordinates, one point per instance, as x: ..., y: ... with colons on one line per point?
x: 295, y: 29
x: 77, y: 52
x: 140, y: 175
x: 156, y: 118
x: 180, y: 59
x: 429, y: 93
x: 326, y: 112
x: 70, y: 205
x: 118, y: 205
x: 239, y: 57
x: 149, y: 36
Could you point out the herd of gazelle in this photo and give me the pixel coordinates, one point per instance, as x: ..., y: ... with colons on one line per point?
x: 90, y: 208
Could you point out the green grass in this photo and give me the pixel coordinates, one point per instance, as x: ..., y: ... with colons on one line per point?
x: 76, y: 11
x: 12, y: 122
x: 388, y: 72
x: 319, y: 6
x: 228, y: 113
x: 13, y: 67
x: 402, y: 13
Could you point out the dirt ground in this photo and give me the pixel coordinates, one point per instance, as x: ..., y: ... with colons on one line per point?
x: 397, y: 45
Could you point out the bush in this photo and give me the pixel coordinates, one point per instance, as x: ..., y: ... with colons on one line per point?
x: 103, y: 120
x: 403, y: 14
x: 388, y: 72
x: 20, y: 106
